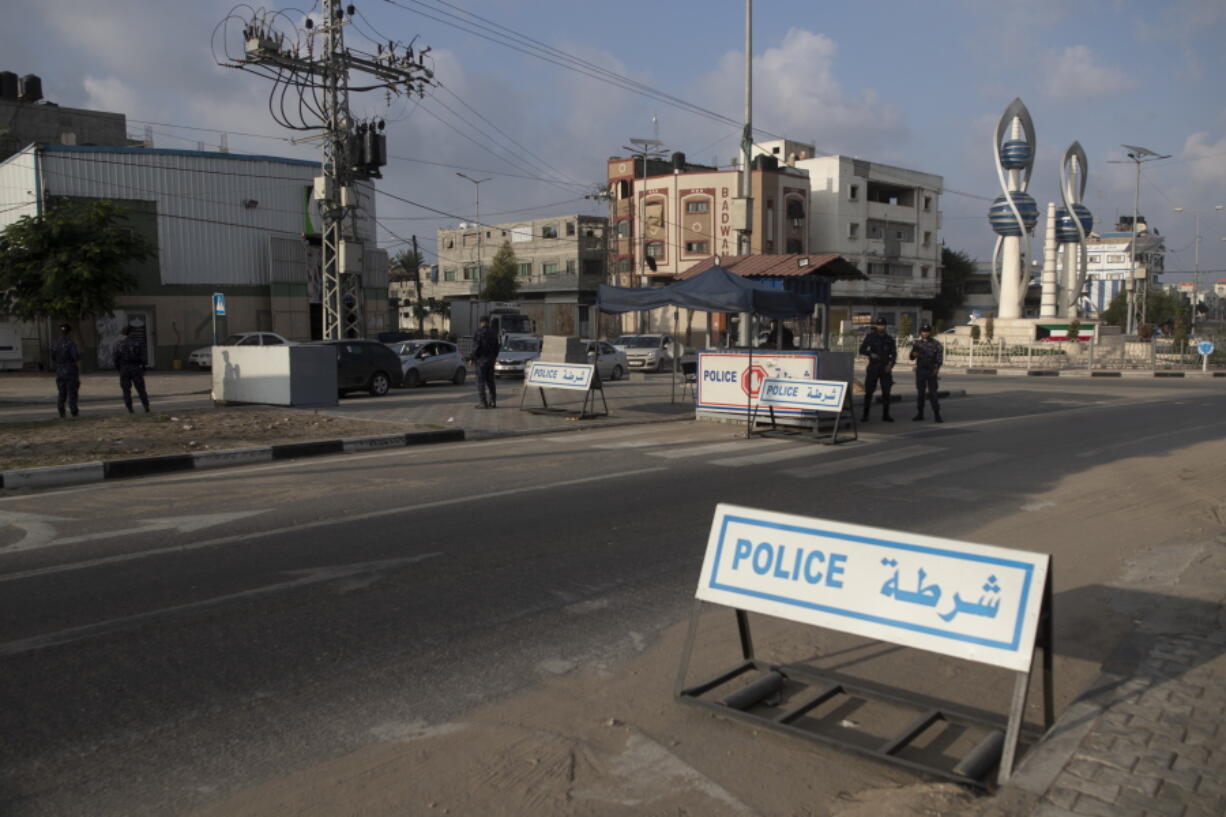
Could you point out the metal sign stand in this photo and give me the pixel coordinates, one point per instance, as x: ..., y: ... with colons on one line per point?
x: 762, y: 703
x: 585, y: 413
x: 846, y: 408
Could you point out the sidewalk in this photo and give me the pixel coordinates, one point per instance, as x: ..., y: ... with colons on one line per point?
x: 30, y: 388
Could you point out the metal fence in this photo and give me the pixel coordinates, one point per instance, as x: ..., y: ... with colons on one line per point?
x: 1109, y: 353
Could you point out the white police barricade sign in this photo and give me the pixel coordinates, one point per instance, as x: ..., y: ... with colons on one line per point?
x: 818, y: 396
x: 975, y: 602
x: 568, y: 377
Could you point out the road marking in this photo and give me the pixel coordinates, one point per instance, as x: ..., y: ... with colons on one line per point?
x: 41, y: 535
x: 800, y: 449
x: 38, y: 528
x: 247, y: 537
x: 713, y: 448
x: 867, y: 461
x: 316, y: 575
x: 944, y: 466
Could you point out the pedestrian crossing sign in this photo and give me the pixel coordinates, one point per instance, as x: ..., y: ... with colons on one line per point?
x: 219, y: 303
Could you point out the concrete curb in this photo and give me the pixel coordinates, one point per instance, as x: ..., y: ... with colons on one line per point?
x: 1143, y: 373
x: 81, y: 473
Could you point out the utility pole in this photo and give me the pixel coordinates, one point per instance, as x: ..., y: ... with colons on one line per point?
x: 744, y: 205
x: 1137, y: 295
x: 351, y: 151
x: 1196, y: 263
x: 472, y: 305
x: 420, y: 307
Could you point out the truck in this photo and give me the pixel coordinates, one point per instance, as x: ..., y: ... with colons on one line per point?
x: 506, y: 319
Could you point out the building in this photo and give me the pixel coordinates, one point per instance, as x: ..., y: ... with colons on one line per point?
x: 667, y: 216
x: 28, y: 119
x: 242, y: 225
x: 884, y: 219
x: 562, y: 260
x: 979, y: 299
x: 1109, y: 262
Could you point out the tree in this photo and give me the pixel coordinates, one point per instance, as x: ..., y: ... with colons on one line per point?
x: 1160, y: 308
x: 989, y: 327
x: 904, y: 325
x: 956, y: 269
x: 500, y: 281
x: 69, y: 263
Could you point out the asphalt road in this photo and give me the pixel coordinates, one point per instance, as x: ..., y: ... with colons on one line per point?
x: 165, y: 642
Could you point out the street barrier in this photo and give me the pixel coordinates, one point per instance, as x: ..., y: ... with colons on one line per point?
x: 903, y: 588
x: 566, y: 377
x: 815, y: 397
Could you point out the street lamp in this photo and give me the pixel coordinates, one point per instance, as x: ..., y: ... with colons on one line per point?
x: 1196, y: 263
x: 1137, y: 155
x: 472, y: 305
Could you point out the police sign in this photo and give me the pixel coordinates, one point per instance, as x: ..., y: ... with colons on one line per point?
x: 814, y: 395
x: 971, y: 601
x: 573, y: 376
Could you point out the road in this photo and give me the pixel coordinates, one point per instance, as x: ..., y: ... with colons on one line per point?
x: 168, y: 643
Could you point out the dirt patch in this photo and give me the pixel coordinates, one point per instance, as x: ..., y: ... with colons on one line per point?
x: 87, y: 439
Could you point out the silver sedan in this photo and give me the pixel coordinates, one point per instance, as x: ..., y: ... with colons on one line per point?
x: 426, y: 360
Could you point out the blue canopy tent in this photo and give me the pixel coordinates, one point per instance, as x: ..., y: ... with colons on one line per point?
x: 713, y: 290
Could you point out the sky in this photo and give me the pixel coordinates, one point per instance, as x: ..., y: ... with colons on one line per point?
x: 918, y: 85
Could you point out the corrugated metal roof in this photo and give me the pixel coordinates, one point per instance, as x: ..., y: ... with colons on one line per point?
x: 830, y: 265
x: 209, y: 154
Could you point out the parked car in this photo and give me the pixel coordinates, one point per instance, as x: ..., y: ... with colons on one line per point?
x: 610, y: 362
x: 203, y: 357
x: 516, y: 351
x: 424, y: 360
x: 364, y: 365
x: 651, y: 353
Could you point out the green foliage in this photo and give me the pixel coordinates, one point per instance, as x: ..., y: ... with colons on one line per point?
x: 989, y: 327
x: 956, y: 269
x: 1074, y: 329
x: 1181, y: 330
x: 69, y: 263
x: 500, y: 278
x: 405, y: 266
x: 1160, y: 308
x: 975, y: 332
x: 905, y: 328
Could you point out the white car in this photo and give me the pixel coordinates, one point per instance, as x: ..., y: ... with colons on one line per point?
x: 516, y: 351
x: 651, y: 353
x: 203, y: 357
x: 610, y: 362
x: 426, y: 360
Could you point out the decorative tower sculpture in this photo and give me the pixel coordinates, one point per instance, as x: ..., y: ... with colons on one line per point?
x: 1013, y: 214
x: 1073, y: 224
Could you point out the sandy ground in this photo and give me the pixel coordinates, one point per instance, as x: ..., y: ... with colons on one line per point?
x: 86, y: 439
x: 607, y: 740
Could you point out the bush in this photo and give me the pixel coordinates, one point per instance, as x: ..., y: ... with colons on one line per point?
x: 989, y: 327
x: 975, y: 332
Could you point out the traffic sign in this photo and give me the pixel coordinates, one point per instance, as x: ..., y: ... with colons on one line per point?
x: 219, y: 303
x: 1205, y: 347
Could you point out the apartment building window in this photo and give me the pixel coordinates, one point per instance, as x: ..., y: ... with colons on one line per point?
x: 853, y: 192
x: 449, y: 243
x: 1094, y: 259
x: 853, y: 230
x: 1115, y: 259
x: 625, y: 265
x: 876, y: 230
x: 570, y: 228
x: 876, y: 268
x: 521, y: 234
x: 927, y: 238
x: 623, y: 229
x: 655, y: 249
x: 924, y: 269
x: 550, y: 268
x: 549, y: 231
x: 570, y: 266
x: 525, y: 269
x: 701, y: 206
x: 927, y: 204
x: 900, y: 269
x: 796, y: 211
x: 470, y: 272
x: 448, y: 273
x: 697, y: 247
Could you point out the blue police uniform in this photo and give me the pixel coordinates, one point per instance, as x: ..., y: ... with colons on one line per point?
x: 928, y: 355
x: 129, y: 359
x: 65, y: 356
x: 882, y: 355
x: 485, y: 353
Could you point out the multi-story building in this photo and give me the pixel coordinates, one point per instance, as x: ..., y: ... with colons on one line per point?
x: 561, y: 261
x: 1109, y: 262
x: 886, y: 220
x: 668, y: 216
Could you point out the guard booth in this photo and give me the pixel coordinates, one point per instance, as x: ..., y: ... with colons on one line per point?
x: 968, y: 601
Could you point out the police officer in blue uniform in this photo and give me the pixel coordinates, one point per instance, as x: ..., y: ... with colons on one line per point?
x: 882, y: 355
x: 485, y: 353
x: 129, y: 359
x: 928, y: 355
x: 65, y: 356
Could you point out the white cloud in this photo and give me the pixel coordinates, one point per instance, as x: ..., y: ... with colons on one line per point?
x: 1208, y: 159
x: 798, y: 95
x: 1076, y: 74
